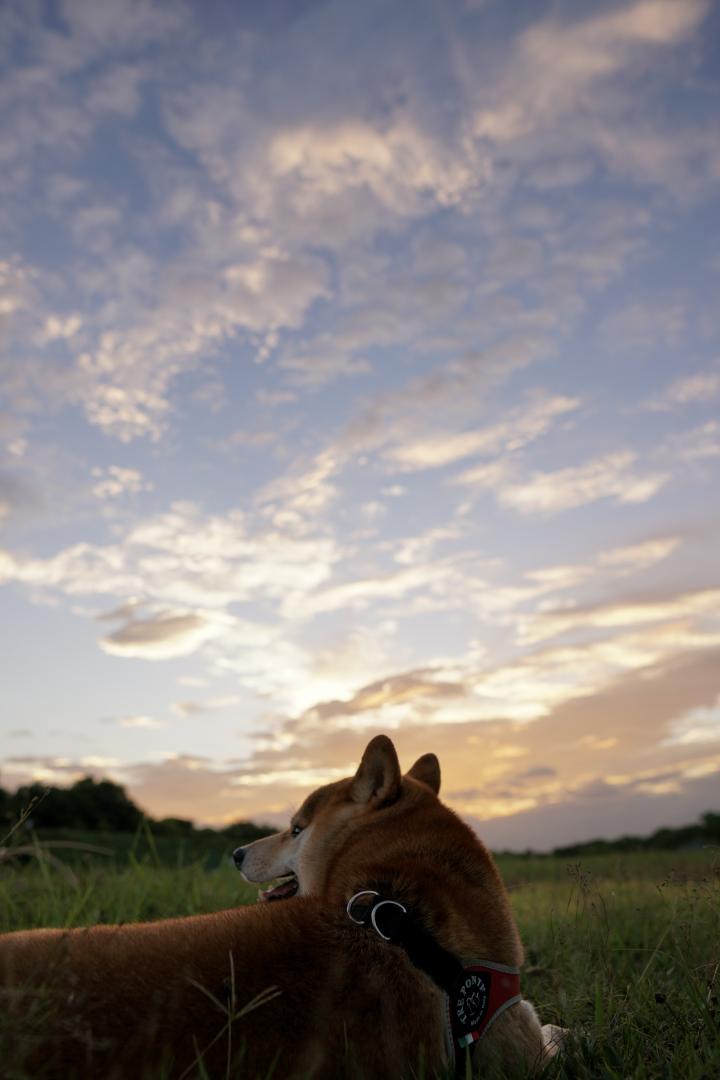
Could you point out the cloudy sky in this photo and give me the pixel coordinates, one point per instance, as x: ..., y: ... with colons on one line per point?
x: 361, y: 372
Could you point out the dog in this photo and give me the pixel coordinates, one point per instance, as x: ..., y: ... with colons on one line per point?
x: 387, y: 950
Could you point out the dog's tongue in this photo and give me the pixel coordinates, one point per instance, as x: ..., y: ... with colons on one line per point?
x: 285, y: 888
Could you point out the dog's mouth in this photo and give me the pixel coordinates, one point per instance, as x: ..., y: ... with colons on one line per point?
x: 284, y: 889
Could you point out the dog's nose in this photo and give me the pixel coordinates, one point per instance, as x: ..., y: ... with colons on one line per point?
x: 238, y: 856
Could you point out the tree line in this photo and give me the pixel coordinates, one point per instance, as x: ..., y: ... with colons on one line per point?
x: 704, y: 833
x: 98, y: 806
x: 103, y: 806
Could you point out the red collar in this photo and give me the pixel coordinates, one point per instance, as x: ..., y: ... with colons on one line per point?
x: 482, y: 992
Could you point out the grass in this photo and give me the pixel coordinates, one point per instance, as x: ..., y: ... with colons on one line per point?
x: 625, y: 951
x: 622, y: 949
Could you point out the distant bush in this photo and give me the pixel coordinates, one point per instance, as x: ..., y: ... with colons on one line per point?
x: 707, y: 831
x: 173, y: 826
x: 244, y: 832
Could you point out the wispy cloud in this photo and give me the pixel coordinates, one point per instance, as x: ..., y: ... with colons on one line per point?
x: 699, y: 726
x: 699, y: 388
x: 518, y: 429
x: 627, y: 612
x: 561, y: 80
x: 609, y: 477
x: 139, y: 722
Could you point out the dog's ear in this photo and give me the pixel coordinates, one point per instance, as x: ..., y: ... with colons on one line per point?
x: 427, y: 770
x: 377, y: 780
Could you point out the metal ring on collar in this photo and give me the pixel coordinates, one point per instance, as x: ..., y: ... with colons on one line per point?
x: 351, y: 901
x: 375, y: 910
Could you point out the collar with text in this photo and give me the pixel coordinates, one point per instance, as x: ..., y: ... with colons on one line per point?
x: 475, y: 995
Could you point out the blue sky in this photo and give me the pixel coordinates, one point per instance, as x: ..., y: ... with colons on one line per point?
x: 360, y: 372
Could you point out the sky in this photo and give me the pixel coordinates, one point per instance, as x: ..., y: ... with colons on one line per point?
x: 360, y: 373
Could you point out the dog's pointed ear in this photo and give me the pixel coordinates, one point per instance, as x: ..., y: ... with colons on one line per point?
x: 427, y: 770
x: 377, y: 780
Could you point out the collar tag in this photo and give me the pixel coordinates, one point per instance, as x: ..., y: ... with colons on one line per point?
x: 481, y: 993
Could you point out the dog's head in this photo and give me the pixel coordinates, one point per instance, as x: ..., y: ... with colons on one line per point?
x: 335, y: 823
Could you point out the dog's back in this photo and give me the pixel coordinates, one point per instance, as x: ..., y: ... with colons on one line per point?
x: 293, y: 983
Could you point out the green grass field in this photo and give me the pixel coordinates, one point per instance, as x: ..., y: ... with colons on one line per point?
x: 623, y: 949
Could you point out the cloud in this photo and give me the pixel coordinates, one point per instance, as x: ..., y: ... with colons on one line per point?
x: 198, y: 708
x: 639, y: 556
x: 608, y: 477
x: 519, y: 428
x: 696, y: 389
x: 558, y: 64
x: 114, y: 481
x: 537, y: 772
x: 245, y: 266
x: 586, y: 791
x: 394, y: 418
x: 303, y: 492
x: 615, y: 562
x: 612, y: 476
x: 697, y: 726
x: 308, y: 777
x: 176, y: 575
x: 416, y: 549
x: 184, y: 559
x: 359, y: 593
x: 164, y: 636
x: 59, y: 328
x: 532, y: 686
x: 380, y: 699
x: 209, y: 296
x: 691, y: 446
x: 49, y: 769
x: 141, y: 721
x: 398, y: 163
x: 523, y: 691
x: 70, y: 75
x: 520, y: 691
x: 17, y: 294
x: 627, y: 612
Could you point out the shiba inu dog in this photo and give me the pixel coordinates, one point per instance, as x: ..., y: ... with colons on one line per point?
x: 386, y: 950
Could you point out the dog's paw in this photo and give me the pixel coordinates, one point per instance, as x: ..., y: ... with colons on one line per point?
x: 553, y: 1039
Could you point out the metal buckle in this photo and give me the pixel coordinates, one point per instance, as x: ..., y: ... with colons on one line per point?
x: 351, y: 901
x: 373, y: 913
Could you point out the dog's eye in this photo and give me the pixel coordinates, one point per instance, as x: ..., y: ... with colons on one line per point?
x: 296, y: 830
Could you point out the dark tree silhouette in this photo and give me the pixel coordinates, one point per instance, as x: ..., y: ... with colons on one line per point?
x: 88, y: 804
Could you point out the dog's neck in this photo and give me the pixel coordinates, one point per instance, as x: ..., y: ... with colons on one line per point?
x: 475, y: 993
x: 433, y: 903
